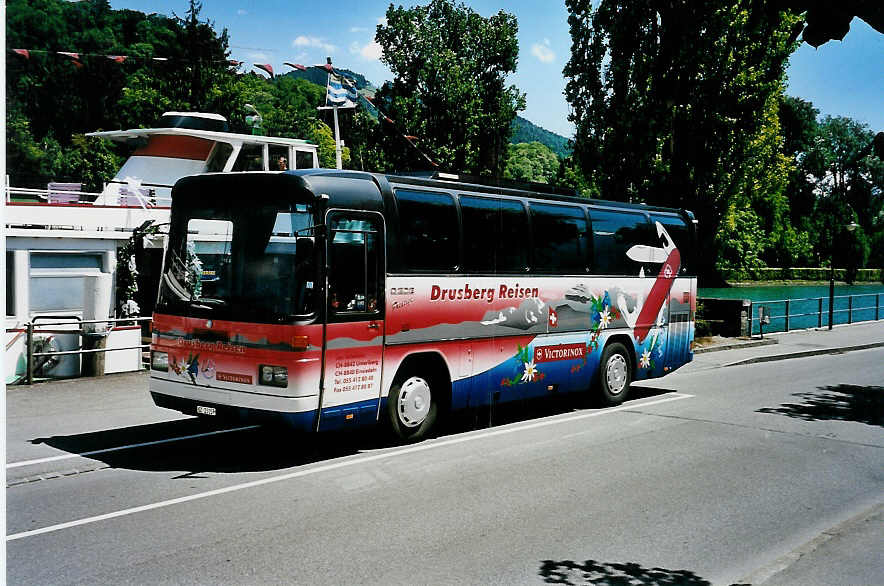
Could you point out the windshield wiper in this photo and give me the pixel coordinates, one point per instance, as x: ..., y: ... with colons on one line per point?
x: 208, y: 302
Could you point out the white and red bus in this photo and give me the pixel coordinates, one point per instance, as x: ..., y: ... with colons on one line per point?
x: 338, y: 298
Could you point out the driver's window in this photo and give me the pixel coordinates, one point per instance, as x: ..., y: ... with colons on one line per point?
x: 355, y: 264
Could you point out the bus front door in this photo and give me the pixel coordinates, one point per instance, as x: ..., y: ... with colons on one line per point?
x: 355, y: 323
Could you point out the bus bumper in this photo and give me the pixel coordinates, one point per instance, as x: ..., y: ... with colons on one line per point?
x: 297, y: 412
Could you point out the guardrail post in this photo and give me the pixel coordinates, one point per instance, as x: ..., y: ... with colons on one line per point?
x: 850, y: 309
x: 877, y: 304
x: 787, y: 315
x: 751, y: 311
x: 820, y: 313
x: 30, y: 353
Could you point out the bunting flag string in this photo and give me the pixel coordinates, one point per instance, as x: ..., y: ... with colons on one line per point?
x: 341, y: 88
x: 264, y: 67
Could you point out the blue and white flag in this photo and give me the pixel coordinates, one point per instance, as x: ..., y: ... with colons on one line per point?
x: 341, y: 92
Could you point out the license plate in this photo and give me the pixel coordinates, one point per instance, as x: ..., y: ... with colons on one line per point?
x: 202, y: 410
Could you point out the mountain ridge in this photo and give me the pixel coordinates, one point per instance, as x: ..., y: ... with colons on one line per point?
x: 522, y: 129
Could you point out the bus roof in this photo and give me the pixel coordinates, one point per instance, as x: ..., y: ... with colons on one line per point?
x: 323, y: 181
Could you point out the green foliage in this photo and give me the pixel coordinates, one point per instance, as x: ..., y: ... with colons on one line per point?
x: 531, y: 161
x: 450, y: 66
x: 526, y: 131
x: 673, y: 105
x: 740, y: 239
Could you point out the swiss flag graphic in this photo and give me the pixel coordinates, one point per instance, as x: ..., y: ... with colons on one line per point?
x: 553, y: 318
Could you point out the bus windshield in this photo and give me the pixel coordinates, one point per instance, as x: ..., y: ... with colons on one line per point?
x: 254, y: 262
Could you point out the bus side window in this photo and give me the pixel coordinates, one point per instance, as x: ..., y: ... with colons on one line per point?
x: 680, y: 234
x: 561, y: 243
x: 613, y: 234
x: 428, y: 228
x: 494, y: 235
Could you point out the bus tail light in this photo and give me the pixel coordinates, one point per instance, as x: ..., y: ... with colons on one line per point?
x: 159, y: 361
x: 273, y: 376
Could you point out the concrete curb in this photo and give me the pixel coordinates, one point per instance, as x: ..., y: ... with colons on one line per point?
x: 765, y: 573
x: 736, y: 346
x: 804, y: 354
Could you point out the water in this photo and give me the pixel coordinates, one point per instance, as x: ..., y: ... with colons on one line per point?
x: 853, y: 303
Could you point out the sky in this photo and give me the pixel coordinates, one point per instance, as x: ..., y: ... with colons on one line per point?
x: 841, y: 78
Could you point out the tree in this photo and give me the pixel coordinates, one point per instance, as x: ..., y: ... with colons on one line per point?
x: 450, y: 66
x: 531, y: 161
x: 674, y: 102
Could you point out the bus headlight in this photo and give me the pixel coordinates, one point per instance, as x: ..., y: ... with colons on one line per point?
x: 273, y: 376
x: 159, y: 361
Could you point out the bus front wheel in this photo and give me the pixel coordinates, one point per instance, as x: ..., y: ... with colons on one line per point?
x: 412, y: 407
x: 615, y: 374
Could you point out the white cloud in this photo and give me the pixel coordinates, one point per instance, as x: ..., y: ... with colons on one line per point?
x: 369, y: 52
x: 543, y: 52
x: 242, y: 12
x: 358, y: 29
x: 258, y: 56
x: 316, y: 42
x: 382, y: 20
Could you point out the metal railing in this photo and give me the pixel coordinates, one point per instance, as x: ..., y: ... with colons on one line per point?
x: 812, y: 312
x: 31, y: 330
x: 144, y: 198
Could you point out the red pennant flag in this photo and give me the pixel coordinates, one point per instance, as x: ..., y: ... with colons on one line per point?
x: 409, y: 137
x: 266, y: 67
x: 75, y: 58
x: 23, y: 52
x: 388, y: 119
x: 295, y: 65
x: 235, y: 63
x: 117, y: 58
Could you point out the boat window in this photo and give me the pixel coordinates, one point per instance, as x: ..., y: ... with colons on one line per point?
x: 279, y: 158
x: 303, y: 160
x: 219, y: 158
x: 251, y: 158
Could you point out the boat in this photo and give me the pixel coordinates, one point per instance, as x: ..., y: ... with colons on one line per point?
x: 63, y: 245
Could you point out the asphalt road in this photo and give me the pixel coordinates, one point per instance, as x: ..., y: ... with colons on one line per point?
x: 711, y: 475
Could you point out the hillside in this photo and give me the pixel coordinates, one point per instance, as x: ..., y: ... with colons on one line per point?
x: 526, y: 131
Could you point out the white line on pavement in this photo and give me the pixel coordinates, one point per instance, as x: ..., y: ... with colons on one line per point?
x: 511, y: 428
x: 126, y: 447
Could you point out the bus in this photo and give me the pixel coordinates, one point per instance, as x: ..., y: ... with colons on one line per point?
x: 330, y: 299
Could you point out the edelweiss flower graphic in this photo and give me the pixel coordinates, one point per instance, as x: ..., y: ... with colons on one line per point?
x: 605, y: 318
x: 530, y: 372
x: 645, y: 360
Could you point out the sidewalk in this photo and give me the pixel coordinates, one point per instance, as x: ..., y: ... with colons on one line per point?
x: 795, y: 344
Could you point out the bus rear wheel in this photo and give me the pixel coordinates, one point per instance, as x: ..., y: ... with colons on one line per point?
x: 615, y: 374
x: 412, y: 407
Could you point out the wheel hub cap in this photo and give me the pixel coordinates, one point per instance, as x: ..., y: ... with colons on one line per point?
x: 414, y: 402
x: 615, y: 373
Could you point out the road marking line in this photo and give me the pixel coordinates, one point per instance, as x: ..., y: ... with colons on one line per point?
x: 126, y: 447
x: 512, y: 428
